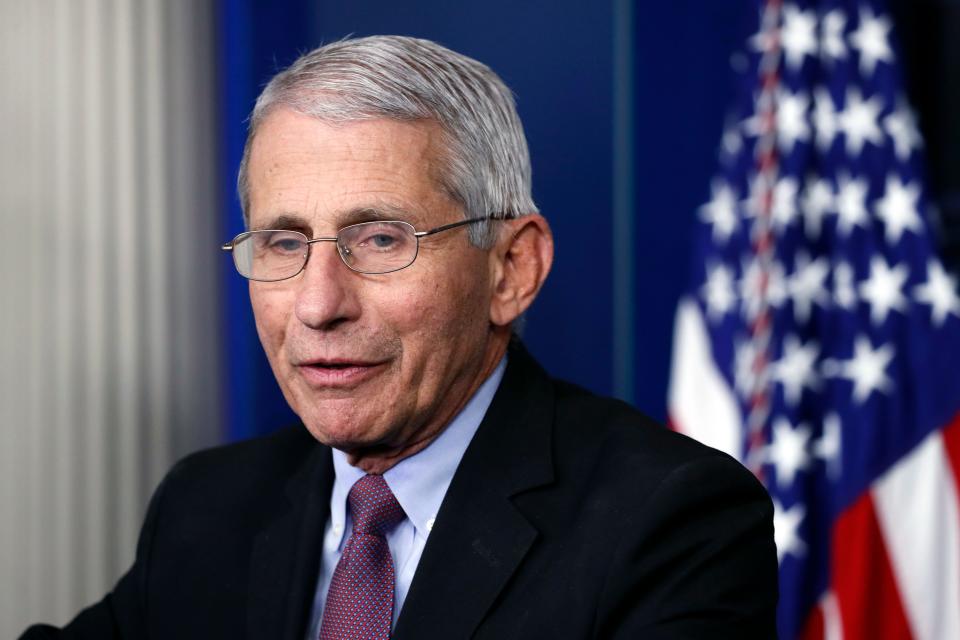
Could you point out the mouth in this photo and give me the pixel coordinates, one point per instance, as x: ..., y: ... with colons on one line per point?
x: 338, y: 373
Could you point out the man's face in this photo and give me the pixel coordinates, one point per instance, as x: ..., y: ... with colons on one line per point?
x: 367, y: 361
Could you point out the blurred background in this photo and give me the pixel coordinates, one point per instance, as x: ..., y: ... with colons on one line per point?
x: 126, y: 339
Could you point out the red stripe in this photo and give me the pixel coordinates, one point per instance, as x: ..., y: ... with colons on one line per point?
x: 867, y: 594
x: 813, y: 630
x: 951, y: 442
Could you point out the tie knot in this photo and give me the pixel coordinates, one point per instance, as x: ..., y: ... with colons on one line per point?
x: 374, y: 507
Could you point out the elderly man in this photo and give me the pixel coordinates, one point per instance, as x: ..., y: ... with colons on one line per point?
x: 442, y: 485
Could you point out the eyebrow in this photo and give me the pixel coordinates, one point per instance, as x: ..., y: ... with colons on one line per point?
x: 296, y: 222
x: 284, y: 221
x: 370, y: 214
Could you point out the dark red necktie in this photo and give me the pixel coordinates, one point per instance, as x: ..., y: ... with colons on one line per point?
x: 360, y: 600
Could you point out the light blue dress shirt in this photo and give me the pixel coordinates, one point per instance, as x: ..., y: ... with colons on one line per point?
x: 419, y: 482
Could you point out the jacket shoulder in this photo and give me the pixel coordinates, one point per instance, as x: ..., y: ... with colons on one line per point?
x: 238, y: 472
x: 620, y: 436
x: 695, y: 526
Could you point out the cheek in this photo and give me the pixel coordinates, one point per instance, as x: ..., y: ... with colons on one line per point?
x: 455, y: 311
x: 471, y: 297
x: 271, y: 311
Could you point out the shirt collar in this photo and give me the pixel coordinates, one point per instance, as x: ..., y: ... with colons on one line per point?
x: 420, y: 482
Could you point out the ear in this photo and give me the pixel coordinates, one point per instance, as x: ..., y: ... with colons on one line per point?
x: 520, y: 262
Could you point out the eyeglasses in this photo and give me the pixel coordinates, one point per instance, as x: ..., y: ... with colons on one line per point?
x: 376, y: 247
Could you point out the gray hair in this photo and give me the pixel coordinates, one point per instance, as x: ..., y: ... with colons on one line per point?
x: 485, y: 163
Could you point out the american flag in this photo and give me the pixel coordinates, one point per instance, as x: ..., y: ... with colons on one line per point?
x: 820, y: 341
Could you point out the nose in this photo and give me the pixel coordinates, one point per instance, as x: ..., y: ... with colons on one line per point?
x: 327, y: 290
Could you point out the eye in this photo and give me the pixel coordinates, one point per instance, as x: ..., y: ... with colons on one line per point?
x: 382, y: 240
x: 380, y: 237
x: 286, y: 245
x: 280, y: 243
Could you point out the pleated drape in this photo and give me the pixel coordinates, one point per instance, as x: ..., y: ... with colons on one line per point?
x: 109, y: 271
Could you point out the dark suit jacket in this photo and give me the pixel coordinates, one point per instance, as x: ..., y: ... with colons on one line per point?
x: 570, y: 516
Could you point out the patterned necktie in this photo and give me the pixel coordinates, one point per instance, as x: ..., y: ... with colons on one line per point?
x: 360, y: 600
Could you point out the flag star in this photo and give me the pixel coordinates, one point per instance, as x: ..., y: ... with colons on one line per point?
x: 940, y: 292
x: 858, y: 121
x: 807, y: 285
x: 829, y: 445
x: 747, y: 372
x: 851, y: 204
x: 776, y: 285
x: 721, y: 211
x: 866, y: 369
x: 796, y: 368
x: 764, y: 119
x: 783, y: 205
x: 759, y: 284
x: 883, y: 290
x: 871, y: 39
x: 798, y: 36
x: 825, y: 121
x: 832, y: 46
x: 751, y: 203
x: 763, y: 41
x: 718, y: 292
x: 844, y: 293
x: 898, y: 208
x: 731, y: 142
x: 752, y: 126
x: 784, y: 209
x: 815, y: 203
x: 786, y: 525
x: 788, y: 451
x: 792, y: 119
x: 901, y: 126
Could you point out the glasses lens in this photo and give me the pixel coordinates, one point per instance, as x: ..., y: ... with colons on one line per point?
x: 378, y: 247
x: 270, y: 255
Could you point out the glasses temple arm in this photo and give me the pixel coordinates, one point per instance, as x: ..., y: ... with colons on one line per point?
x: 452, y: 225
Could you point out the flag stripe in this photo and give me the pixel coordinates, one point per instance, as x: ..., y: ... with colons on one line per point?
x: 917, y: 508
x: 814, y: 629
x: 701, y: 404
x: 867, y: 594
x: 824, y: 621
x: 832, y: 625
x: 951, y: 442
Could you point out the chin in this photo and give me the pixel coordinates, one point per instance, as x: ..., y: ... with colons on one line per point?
x: 336, y: 432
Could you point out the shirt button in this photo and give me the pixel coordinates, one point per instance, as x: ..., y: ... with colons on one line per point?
x: 338, y: 529
x: 430, y: 524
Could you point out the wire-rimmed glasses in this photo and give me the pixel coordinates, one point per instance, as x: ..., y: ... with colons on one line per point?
x: 376, y: 247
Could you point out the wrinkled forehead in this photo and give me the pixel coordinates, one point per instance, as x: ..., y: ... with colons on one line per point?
x: 328, y: 174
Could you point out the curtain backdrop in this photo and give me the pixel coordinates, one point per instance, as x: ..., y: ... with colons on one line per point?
x: 109, y: 275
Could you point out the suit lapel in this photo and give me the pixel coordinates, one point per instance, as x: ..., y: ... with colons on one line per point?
x: 286, y: 552
x: 480, y: 537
